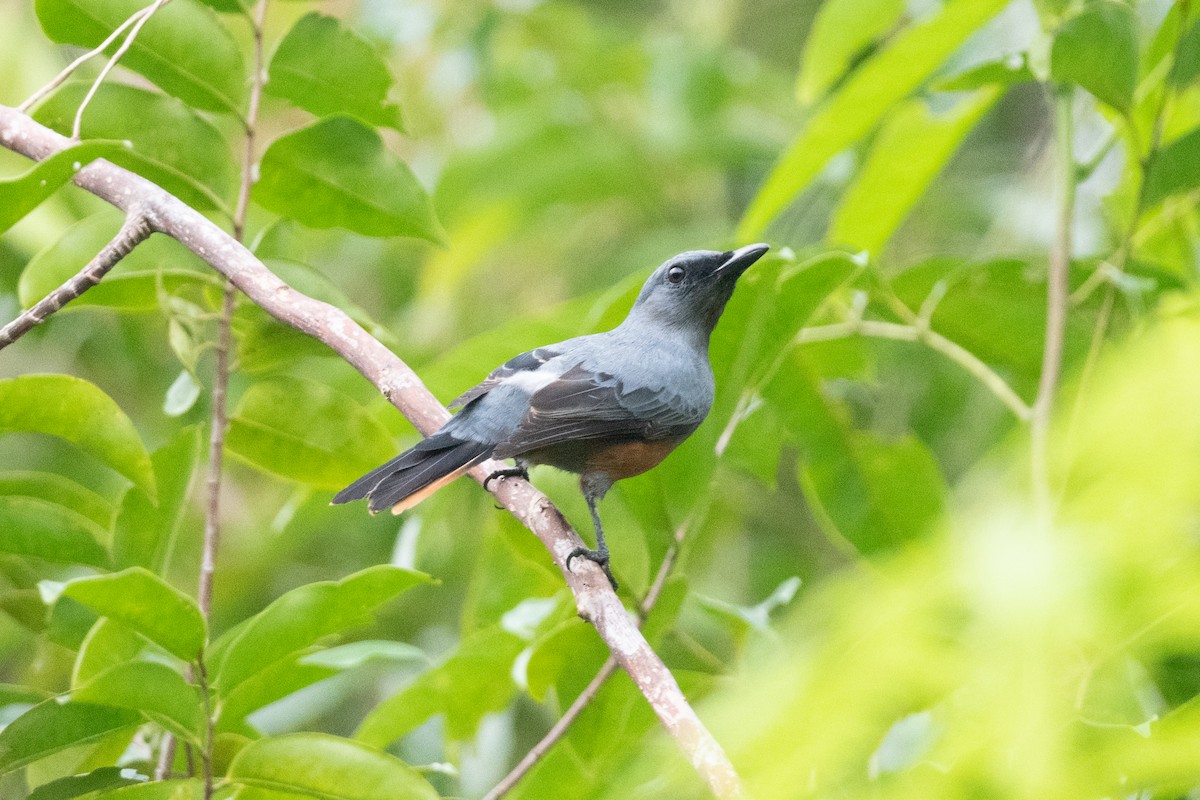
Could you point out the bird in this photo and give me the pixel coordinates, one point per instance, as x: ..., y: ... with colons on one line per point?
x: 606, y: 406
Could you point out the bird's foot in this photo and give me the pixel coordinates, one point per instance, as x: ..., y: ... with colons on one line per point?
x: 509, y: 472
x: 599, y: 557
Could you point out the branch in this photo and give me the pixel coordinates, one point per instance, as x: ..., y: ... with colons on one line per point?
x: 595, y: 600
x: 914, y: 333
x: 1057, y: 301
x: 560, y: 728
x: 135, y: 230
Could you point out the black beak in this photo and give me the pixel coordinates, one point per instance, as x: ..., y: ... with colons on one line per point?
x: 741, y: 259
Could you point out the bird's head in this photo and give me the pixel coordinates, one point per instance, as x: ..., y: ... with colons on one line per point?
x: 691, y: 289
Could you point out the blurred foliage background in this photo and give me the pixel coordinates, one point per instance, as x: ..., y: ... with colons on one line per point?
x: 869, y: 599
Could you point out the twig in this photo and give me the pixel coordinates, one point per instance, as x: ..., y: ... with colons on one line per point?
x: 112, y: 62
x: 219, y: 416
x: 606, y: 671
x: 1057, y: 301
x: 134, y: 231
x: 69, y: 70
x: 594, y: 598
x: 917, y: 333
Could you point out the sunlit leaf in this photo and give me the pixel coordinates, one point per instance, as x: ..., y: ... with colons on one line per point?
x: 318, y: 765
x: 51, y: 727
x: 146, y: 604
x: 56, y: 489
x: 842, y: 30
x: 913, y: 145
x: 888, y: 77
x: 79, y: 412
x: 79, y: 785
x: 1174, y: 169
x: 184, y: 48
x: 326, y: 68
x: 1098, y: 50
x: 108, y: 644
x: 337, y: 173
x: 307, y: 432
x: 155, y: 690
x: 33, y: 527
x: 304, y: 616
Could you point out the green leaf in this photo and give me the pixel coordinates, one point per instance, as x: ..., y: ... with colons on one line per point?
x: 59, y: 490
x: 1187, y: 65
x: 355, y: 654
x: 912, y: 147
x: 1174, y: 169
x: 1004, y: 73
x: 326, y: 767
x: 185, y: 154
x: 173, y: 789
x: 158, y: 263
x: 79, y: 412
x: 19, y: 196
x: 304, y: 616
x: 326, y: 68
x: 156, y: 690
x: 184, y: 48
x: 147, y: 605
x: 841, y: 31
x: 51, y: 727
x: 77, y: 785
x: 473, y: 682
x: 304, y: 431
x: 268, y: 685
x: 879, y: 494
x: 1098, y: 50
x: 144, y: 533
x: 891, y: 75
x: 33, y: 527
x: 106, y: 645
x: 337, y: 173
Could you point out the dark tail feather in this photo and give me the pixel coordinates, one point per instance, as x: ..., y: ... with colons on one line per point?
x: 438, y: 457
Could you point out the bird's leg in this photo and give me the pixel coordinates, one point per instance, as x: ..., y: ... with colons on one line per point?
x: 521, y: 470
x: 600, y: 554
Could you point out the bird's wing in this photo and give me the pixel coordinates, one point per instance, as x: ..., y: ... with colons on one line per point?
x: 525, y: 362
x: 585, y: 404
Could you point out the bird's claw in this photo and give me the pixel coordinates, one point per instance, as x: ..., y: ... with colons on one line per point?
x: 598, y: 557
x: 510, y: 472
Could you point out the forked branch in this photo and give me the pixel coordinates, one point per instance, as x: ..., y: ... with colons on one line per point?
x: 136, y: 229
x: 595, y: 600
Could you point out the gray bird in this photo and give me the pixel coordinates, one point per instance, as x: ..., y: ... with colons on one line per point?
x: 605, y: 406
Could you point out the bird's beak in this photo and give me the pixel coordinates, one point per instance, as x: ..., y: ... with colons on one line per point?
x: 741, y: 259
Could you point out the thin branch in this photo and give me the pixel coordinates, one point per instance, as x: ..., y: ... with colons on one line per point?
x: 594, y: 598
x: 133, y: 232
x: 916, y: 333
x: 219, y: 418
x: 69, y: 70
x: 606, y: 671
x: 112, y: 62
x: 1057, y: 301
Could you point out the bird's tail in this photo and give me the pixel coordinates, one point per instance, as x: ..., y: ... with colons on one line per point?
x: 415, y: 474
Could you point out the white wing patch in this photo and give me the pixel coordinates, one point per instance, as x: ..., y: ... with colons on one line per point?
x: 530, y: 381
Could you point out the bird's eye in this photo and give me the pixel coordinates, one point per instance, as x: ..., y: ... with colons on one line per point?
x: 675, y: 274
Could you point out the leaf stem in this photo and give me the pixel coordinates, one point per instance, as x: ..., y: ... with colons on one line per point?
x: 923, y: 334
x: 1057, y: 300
